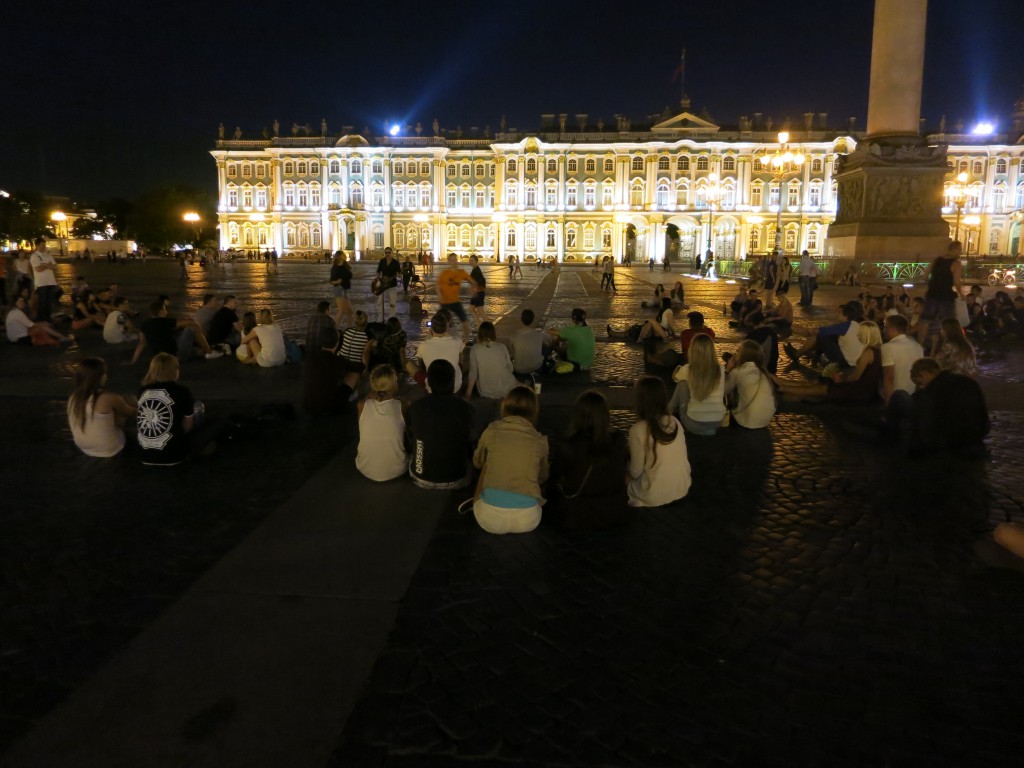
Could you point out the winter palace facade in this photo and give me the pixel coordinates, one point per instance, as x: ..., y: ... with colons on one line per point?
x: 675, y: 188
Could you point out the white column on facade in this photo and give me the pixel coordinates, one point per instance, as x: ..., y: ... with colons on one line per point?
x: 656, y: 248
x: 651, y: 179
x: 621, y: 181
x: 344, y: 182
x: 897, y: 67
x: 221, y: 182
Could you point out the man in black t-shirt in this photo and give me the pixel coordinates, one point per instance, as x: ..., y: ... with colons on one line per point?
x: 388, y: 271
x: 225, y: 327
x: 440, y: 428
x: 158, y: 333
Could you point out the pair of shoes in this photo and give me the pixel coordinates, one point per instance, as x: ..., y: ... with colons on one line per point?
x: 791, y: 351
x: 213, y: 354
x: 223, y: 347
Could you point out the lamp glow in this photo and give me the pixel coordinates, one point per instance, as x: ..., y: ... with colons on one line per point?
x: 984, y: 128
x: 393, y: 130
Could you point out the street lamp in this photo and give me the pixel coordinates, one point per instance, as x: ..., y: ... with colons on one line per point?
x: 781, y: 163
x: 193, y: 219
x: 60, y: 227
x: 958, y: 196
x: 970, y: 224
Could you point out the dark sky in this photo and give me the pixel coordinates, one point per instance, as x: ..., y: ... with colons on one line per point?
x: 109, y: 99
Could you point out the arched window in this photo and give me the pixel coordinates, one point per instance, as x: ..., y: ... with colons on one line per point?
x: 289, y: 168
x: 465, y: 196
x: 464, y: 170
x: 289, y: 235
x: 233, y: 233
x: 531, y: 237
x: 314, y: 194
x: 816, y: 165
x: 450, y: 239
x: 663, y: 193
x: 399, y: 168
x: 729, y: 163
x: 302, y: 197
x: 511, y: 166
x: 570, y: 236
x: 636, y: 193
x: 247, y: 196
x: 812, y: 239
x: 232, y: 170
x: 531, y: 165
x: 549, y: 237
x: 246, y: 171
x: 590, y: 195
x: 993, y: 240
x: 289, y: 195
x: 1001, y: 165
x: 412, y: 236
x: 571, y: 166
x: 377, y: 166
x: 424, y: 169
x: 609, y: 165
x: 357, y: 166
x: 570, y: 194
x: 511, y: 193
x: 606, y: 236
x: 663, y: 163
x: 978, y: 168
x: 335, y: 166
x: 377, y: 195
x: 702, y: 163
x: 399, y: 237
x: 591, y: 165
x: 334, y: 195
x: 424, y: 194
x: 451, y: 196
x: 301, y: 168
x: 998, y: 199
x: 553, y: 165
x: 510, y: 237
x: 754, y: 244
x: 551, y: 193
x: 961, y: 167
x: 682, y: 192
x: 232, y: 196
x: 314, y: 167
x: 357, y: 194
x: 531, y: 195
x: 729, y: 194
x: 792, y: 193
x: 398, y: 196
x: 791, y: 239
x: 247, y: 236
x: 683, y: 163
x: 303, y: 236
x: 261, y: 196
x: 607, y: 194
x: 588, y: 237
x: 315, y: 235
x: 757, y: 194
x: 638, y: 163
x: 1018, y: 198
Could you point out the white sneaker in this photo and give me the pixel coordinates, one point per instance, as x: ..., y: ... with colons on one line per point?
x: 213, y: 354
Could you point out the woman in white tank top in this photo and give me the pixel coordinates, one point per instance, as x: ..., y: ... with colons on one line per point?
x: 96, y: 417
x: 381, y: 454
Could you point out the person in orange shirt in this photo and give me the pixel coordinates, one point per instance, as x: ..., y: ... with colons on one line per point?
x: 448, y: 284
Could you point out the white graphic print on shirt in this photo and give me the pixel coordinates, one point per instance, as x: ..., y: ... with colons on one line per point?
x: 155, y: 419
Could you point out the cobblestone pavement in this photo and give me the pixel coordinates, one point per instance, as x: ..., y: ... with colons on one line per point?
x: 814, y: 601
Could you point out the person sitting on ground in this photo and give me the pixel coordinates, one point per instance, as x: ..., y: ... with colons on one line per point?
x: 749, y: 388
x: 697, y: 326
x: 78, y: 288
x: 578, y: 340
x: 265, y: 342
x: 659, y: 470
x: 226, y: 329
x: 84, y: 313
x: 655, y: 303
x: 956, y: 354
x: 118, y: 327
x: 158, y: 335
x: 381, y: 454
x: 204, y: 315
x: 440, y: 433
x: 898, y: 353
x: 321, y: 331
x: 838, y: 342
x: 751, y: 316
x: 167, y: 417
x: 352, y: 349
x: 859, y: 386
x: 528, y: 346
x: 512, y: 457
x: 948, y: 412
x: 390, y: 347
x: 661, y: 326
x: 22, y: 330
x: 781, y: 315
x: 739, y: 302
x: 699, y: 397
x: 97, y: 417
x: 586, y: 490
x: 440, y: 346
x: 490, y: 367
x: 678, y: 296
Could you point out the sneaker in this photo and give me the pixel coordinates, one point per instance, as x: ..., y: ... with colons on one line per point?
x: 213, y: 354
x: 225, y: 347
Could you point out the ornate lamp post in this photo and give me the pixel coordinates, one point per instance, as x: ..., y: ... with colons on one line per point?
x: 958, y: 196
x: 192, y: 218
x: 60, y: 228
x: 972, y: 223
x: 781, y: 163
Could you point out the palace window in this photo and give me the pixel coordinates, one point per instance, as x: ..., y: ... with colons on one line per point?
x: 450, y: 197
x: 357, y: 166
x: 998, y: 199
x: 232, y: 197
x: 591, y: 165
x: 479, y: 170
x: 606, y: 237
x: 636, y: 194
x: 702, y: 163
x: 1000, y: 165
x: 333, y: 195
x: 376, y: 195
x: 729, y: 195
x: 570, y: 195
x: 549, y: 238
x: 961, y: 167
x: 247, y: 196
x: 792, y: 194
x: 683, y: 163
x: 663, y: 194
x: 398, y: 196
x: 289, y: 196
x: 755, y: 195
x: 531, y: 166
x: 289, y: 235
x: 303, y: 236
x: 315, y: 232
x: 479, y: 237
x: 531, y: 196
x: 588, y: 239
x: 479, y: 197
x: 570, y: 237
x: 816, y: 165
x: 246, y: 171
x: 464, y: 196
x: 378, y: 237
x: 377, y: 166
x: 729, y: 163
x: 553, y: 165
x: 451, y: 236
x: 335, y: 166
x: 510, y: 237
x: 682, y: 193
x: 607, y: 195
x: 357, y: 194
x: 638, y: 163
x: 314, y: 195
x: 815, y: 195
x: 590, y: 195
x: 247, y: 235
x: 978, y: 168
x: 314, y: 167
x: 303, y: 196
x: 261, y: 197
x: 993, y: 240
x: 773, y: 195
x: 399, y: 169
x: 754, y: 244
x: 531, y: 237
x: 511, y: 166
x: 551, y: 194
x: 663, y: 163
x: 464, y: 236
x: 301, y: 168
x: 1018, y: 199
x: 232, y: 170
x: 511, y: 194
x: 790, y: 239
x: 289, y: 168
x: 464, y: 168
x: 572, y: 166
x: 452, y: 171
x: 812, y: 239
x: 1021, y: 167
x: 399, y: 237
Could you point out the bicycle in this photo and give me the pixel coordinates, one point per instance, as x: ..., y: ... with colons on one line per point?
x: 1003, y: 277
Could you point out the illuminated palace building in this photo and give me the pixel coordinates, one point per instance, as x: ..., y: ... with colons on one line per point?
x: 674, y: 187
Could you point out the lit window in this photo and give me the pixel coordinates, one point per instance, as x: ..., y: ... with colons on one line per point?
x: 551, y: 194
x: 590, y: 196
x: 301, y: 168
x: 998, y: 199
x: 289, y: 235
x: 314, y: 195
x: 510, y: 237
x: 289, y: 168
x: 702, y: 163
x: 773, y: 195
x: 790, y: 239
x: 549, y: 238
x: 609, y: 165
x: 289, y: 196
x: 978, y: 168
x: 591, y: 165
x: 682, y: 193
x: 531, y: 237
x: 663, y: 163
x: 553, y: 165
x: 232, y: 197
x: 792, y: 195
x: 261, y: 196
x: 335, y: 166
x: 638, y: 163
x: 755, y: 195
x: 606, y: 238
x: 399, y: 169
x: 357, y: 194
x: 588, y: 239
x: 531, y: 167
x: 607, y: 195
x: 479, y: 197
x: 816, y: 165
x: 377, y: 166
x: 636, y: 195
x: 357, y: 166
x: 815, y: 195
x: 378, y: 238
x: 424, y: 169
x: 303, y: 196
x: 683, y: 163
x: 570, y: 195
x: 729, y: 163
x: 377, y: 195
x: 246, y: 171
x: 754, y: 243
x: 232, y: 170
x: 334, y: 196
x: 511, y: 167
x: 531, y: 196
x: 570, y: 238
x: 464, y: 197
x: 812, y: 239
x: 962, y: 166
x: 452, y: 170
x: 479, y: 170
x: 572, y: 166
x: 1001, y: 166
x: 247, y: 197
x: 314, y: 167
x: 451, y: 236
x: 316, y: 236
x: 464, y: 169
x: 399, y: 237
x: 398, y: 196
x: 450, y: 197
x: 511, y: 194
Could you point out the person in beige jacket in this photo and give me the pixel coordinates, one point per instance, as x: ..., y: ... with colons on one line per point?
x: 512, y: 457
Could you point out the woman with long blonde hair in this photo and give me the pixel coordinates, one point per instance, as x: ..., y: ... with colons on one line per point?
x: 699, y: 396
x: 381, y: 453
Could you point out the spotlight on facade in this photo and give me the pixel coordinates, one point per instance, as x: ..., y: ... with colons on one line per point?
x: 983, y: 128
x: 393, y: 130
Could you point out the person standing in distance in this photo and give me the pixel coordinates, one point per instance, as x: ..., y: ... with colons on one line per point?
x: 476, y: 301
x: 45, y: 279
x: 388, y: 271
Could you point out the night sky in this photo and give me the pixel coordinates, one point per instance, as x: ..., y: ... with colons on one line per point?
x: 111, y: 99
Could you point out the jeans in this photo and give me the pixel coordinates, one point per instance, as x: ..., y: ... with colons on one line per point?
x: 186, y: 341
x: 806, y: 294
x: 389, y: 297
x: 46, y: 294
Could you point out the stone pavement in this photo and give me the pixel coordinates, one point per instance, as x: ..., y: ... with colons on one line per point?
x: 814, y: 600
